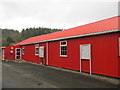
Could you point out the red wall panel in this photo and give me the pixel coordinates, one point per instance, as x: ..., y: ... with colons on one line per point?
x: 119, y: 61
x: 85, y: 65
x: 7, y: 54
x: 104, y: 49
x: 29, y: 53
x: 104, y: 54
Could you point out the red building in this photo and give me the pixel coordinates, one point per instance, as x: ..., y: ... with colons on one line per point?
x: 93, y: 48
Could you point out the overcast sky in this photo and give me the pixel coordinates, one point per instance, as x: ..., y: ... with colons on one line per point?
x: 19, y: 14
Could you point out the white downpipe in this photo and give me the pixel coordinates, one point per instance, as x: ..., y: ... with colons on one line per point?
x: 90, y: 61
x: 47, y: 53
x: 80, y: 60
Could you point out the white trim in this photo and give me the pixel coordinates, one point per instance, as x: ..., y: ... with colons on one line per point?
x: 76, y: 36
x: 23, y: 48
x: 63, y: 55
x: 63, y: 41
x: 2, y: 47
x: 80, y: 61
x: 37, y: 54
x: 47, y: 53
x: 35, y: 49
x: 90, y: 60
x: 16, y: 53
x: 63, y: 45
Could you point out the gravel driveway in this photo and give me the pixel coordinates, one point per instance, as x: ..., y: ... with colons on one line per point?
x: 26, y: 75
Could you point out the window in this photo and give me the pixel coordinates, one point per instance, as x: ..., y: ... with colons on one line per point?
x: 63, y: 48
x: 22, y: 50
x: 37, y: 49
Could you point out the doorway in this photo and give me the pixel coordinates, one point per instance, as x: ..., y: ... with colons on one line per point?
x: 18, y: 53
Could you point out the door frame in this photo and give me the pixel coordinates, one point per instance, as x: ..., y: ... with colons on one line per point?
x: 16, y: 53
x: 90, y: 60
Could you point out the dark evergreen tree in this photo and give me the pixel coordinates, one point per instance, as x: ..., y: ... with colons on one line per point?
x: 10, y: 36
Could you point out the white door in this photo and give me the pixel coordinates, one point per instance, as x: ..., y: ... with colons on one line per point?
x: 18, y: 53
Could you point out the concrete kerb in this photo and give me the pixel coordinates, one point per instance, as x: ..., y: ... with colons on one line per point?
x: 93, y: 76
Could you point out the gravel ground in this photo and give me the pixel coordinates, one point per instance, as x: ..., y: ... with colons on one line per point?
x: 26, y: 75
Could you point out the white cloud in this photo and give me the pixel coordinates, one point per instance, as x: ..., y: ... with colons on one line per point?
x: 19, y: 14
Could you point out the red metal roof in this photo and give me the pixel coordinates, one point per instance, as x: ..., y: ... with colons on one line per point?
x: 99, y: 26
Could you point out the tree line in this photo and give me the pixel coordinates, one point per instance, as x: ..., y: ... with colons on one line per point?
x: 11, y: 37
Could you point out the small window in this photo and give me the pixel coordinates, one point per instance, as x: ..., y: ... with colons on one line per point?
x: 22, y: 50
x: 37, y: 49
x: 63, y: 48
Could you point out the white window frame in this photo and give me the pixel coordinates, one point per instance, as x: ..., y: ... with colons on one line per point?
x: 60, y: 48
x: 23, y: 48
x: 119, y: 46
x: 36, y: 46
x: 16, y: 53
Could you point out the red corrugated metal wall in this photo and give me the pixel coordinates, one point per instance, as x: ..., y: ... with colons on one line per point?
x: 7, y: 54
x: 104, y: 54
x: 119, y: 61
x: 29, y: 53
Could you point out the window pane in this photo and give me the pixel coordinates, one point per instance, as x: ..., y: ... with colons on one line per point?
x: 18, y: 49
x: 37, y: 45
x: 18, y: 57
x: 37, y: 50
x: 63, y: 53
x: 63, y: 43
x: 63, y: 47
x: 18, y: 53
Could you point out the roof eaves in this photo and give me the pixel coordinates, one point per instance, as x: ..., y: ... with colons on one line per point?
x: 76, y: 36
x: 2, y: 47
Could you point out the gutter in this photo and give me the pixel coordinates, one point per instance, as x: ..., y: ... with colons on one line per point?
x: 2, y: 47
x: 83, y: 35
